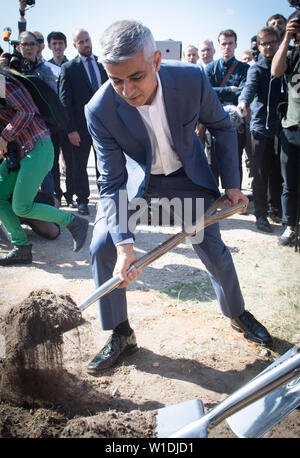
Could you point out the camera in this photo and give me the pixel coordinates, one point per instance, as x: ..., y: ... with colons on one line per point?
x: 294, y: 3
x: 12, y: 156
x: 30, y: 2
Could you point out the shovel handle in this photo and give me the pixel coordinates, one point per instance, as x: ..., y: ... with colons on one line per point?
x: 211, y: 216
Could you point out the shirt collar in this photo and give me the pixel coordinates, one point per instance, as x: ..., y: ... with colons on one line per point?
x: 158, y: 96
x: 229, y: 63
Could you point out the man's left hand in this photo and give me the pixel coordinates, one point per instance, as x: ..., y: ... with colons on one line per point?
x: 234, y: 195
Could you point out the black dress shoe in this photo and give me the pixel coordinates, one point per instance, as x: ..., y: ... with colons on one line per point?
x: 83, y: 209
x: 263, y: 224
x: 116, y: 346
x: 78, y: 228
x: 18, y: 255
x: 252, y: 329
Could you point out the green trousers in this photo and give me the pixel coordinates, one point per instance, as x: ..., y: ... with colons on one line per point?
x: 23, y: 186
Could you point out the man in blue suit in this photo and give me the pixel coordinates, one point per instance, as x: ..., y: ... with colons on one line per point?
x: 79, y: 80
x: 142, y: 122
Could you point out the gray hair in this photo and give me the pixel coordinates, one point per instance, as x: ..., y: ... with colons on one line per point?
x: 123, y: 39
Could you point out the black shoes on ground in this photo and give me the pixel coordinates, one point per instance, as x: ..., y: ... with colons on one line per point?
x: 263, y: 224
x: 78, y: 228
x: 83, y: 209
x: 119, y: 345
x: 116, y: 346
x: 18, y: 255
x: 252, y: 329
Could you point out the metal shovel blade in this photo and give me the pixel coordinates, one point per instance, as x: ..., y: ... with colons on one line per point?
x: 175, y: 417
x: 283, y: 373
x: 258, y: 418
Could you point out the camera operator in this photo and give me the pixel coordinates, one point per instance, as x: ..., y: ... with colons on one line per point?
x: 32, y: 155
x: 287, y: 62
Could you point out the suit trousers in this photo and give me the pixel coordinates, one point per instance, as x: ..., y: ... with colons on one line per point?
x: 80, y: 157
x: 61, y: 142
x: 212, y: 252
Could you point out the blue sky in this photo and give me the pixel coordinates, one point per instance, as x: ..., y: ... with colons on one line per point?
x: 188, y: 21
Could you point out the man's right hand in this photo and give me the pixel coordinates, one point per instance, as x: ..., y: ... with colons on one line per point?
x: 234, y: 88
x: 126, y: 258
x: 74, y: 138
x: 22, y: 6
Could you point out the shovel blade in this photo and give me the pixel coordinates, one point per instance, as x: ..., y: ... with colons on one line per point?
x: 173, y: 418
x: 259, y: 417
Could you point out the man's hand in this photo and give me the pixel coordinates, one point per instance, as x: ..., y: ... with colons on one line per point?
x: 126, y: 257
x: 74, y: 138
x: 3, y: 147
x: 292, y: 28
x: 22, y: 7
x: 243, y: 109
x: 234, y: 88
x: 234, y: 195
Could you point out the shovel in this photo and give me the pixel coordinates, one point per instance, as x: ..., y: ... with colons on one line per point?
x: 211, y: 216
x: 252, y: 410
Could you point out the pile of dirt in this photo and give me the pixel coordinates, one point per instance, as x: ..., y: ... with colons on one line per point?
x: 32, y: 370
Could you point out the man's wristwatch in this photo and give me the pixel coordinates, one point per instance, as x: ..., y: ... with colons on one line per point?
x: 22, y: 13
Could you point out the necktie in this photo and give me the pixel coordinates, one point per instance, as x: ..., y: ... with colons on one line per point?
x: 94, y: 81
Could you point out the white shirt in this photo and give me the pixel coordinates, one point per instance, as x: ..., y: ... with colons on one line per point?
x: 164, y: 158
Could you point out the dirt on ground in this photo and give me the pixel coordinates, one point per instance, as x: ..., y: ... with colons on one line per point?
x: 185, y: 352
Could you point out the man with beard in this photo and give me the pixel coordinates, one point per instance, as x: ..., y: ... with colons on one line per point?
x: 79, y: 80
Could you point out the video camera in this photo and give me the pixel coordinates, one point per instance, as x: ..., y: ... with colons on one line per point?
x: 30, y: 2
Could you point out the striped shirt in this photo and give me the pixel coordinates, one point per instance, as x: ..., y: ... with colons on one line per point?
x: 19, y: 117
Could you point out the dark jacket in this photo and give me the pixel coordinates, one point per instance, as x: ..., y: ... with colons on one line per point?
x: 264, y: 93
x: 75, y: 91
x: 217, y: 70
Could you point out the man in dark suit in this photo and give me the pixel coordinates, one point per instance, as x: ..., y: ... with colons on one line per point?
x: 79, y: 80
x: 143, y: 127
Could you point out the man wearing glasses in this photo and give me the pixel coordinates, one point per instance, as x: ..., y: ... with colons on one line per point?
x: 264, y: 94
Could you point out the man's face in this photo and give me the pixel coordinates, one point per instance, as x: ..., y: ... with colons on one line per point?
x: 227, y: 47
x: 41, y: 44
x: 191, y: 55
x: 83, y: 44
x: 268, y: 46
x: 278, y: 24
x: 247, y: 57
x: 206, y: 53
x: 57, y: 47
x: 28, y: 47
x: 135, y: 79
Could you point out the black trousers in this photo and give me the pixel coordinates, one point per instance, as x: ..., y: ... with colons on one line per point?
x: 61, y: 143
x: 290, y: 168
x: 267, y: 179
x: 80, y: 157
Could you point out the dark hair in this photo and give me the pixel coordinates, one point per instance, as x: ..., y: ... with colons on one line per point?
x: 275, y: 16
x: 268, y: 30
x: 56, y: 36
x: 26, y: 32
x: 228, y: 33
x: 294, y: 14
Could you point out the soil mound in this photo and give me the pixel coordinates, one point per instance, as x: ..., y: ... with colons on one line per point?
x: 32, y: 369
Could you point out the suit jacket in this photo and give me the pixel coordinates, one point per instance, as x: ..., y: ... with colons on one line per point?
x: 123, y: 146
x: 75, y: 91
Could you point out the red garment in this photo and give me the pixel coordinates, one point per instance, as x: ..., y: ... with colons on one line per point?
x: 19, y: 117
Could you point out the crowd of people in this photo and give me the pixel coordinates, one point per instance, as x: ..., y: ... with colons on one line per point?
x: 186, y: 126
x: 265, y: 94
